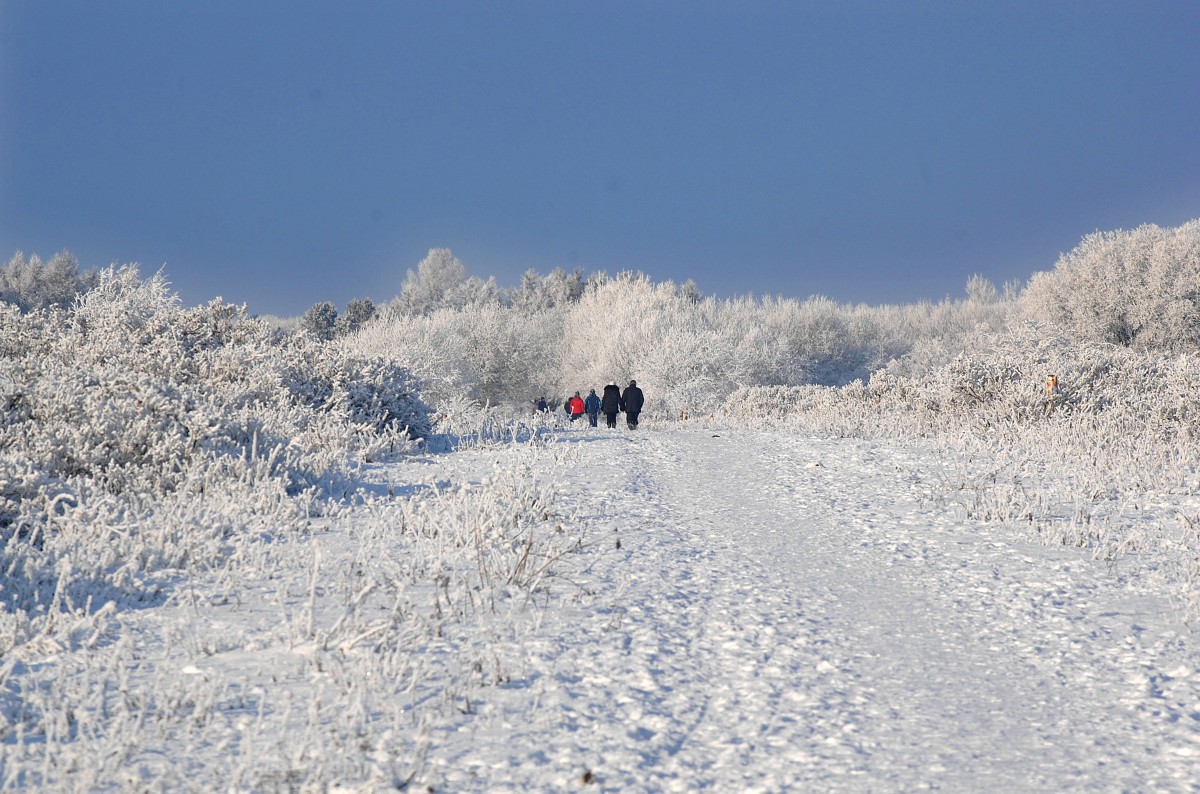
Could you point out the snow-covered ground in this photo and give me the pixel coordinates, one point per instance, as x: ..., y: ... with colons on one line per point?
x: 787, y: 614
x: 705, y: 609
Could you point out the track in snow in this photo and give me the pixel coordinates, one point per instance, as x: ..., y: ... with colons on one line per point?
x: 784, y: 613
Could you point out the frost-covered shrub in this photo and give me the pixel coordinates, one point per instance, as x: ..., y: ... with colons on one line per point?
x: 688, y: 353
x: 358, y: 313
x: 487, y: 354
x: 999, y: 380
x: 31, y: 284
x: 311, y: 663
x: 137, y: 435
x: 132, y: 390
x: 851, y: 411
x: 372, y: 393
x: 538, y: 293
x: 115, y: 395
x: 320, y: 320
x: 441, y: 282
x: 1133, y: 288
x: 24, y: 491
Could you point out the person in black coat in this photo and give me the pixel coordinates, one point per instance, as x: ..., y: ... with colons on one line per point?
x: 610, y: 403
x: 632, y: 401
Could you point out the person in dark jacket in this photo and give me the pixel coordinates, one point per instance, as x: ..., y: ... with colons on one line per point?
x: 610, y: 403
x: 632, y: 401
x: 592, y: 406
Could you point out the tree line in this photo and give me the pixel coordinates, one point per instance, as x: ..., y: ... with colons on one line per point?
x: 466, y: 337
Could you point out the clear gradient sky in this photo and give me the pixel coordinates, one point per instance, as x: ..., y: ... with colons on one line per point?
x: 284, y: 153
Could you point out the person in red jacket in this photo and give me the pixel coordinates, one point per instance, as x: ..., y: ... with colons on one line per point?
x: 575, y: 404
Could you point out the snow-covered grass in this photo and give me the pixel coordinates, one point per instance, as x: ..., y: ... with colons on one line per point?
x: 1108, y: 465
x: 329, y: 651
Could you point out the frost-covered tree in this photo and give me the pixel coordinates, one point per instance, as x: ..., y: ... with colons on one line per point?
x: 980, y: 290
x: 474, y: 291
x: 428, y: 344
x: 441, y: 281
x: 1134, y: 288
x: 527, y: 297
x: 320, y: 320
x: 561, y: 287
x: 425, y: 289
x: 358, y: 313
x: 538, y: 293
x: 491, y: 354
x: 691, y: 291
x: 32, y: 284
x: 631, y: 328
x: 562, y: 333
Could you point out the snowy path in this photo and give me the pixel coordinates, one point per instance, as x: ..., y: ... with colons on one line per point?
x: 785, y: 614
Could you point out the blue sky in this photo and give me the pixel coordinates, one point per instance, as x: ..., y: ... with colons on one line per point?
x: 281, y: 154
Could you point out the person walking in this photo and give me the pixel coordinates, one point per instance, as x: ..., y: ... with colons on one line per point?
x: 610, y: 403
x: 632, y: 401
x: 592, y: 406
x: 575, y: 407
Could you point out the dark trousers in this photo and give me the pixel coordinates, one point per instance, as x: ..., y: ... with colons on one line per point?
x: 611, y: 419
x: 592, y: 418
x: 631, y: 417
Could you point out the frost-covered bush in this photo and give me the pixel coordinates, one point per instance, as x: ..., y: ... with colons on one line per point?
x: 31, y: 284
x: 128, y: 421
x: 371, y: 393
x: 440, y: 282
x: 487, y: 354
x: 851, y: 411
x: 688, y: 353
x: 538, y: 293
x: 320, y: 320
x: 358, y: 313
x: 132, y: 391
x: 999, y: 380
x: 1133, y: 288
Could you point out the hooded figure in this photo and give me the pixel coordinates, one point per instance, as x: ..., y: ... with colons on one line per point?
x: 632, y: 401
x: 610, y: 403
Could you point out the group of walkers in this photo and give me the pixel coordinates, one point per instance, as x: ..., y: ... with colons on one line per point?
x: 613, y: 401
